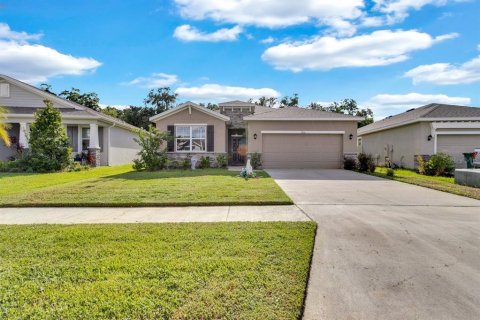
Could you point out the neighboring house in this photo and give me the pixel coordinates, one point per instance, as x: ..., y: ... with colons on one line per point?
x: 286, y: 137
x: 111, y: 139
x: 423, y: 131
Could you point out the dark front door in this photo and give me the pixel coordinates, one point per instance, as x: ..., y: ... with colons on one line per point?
x: 237, y: 150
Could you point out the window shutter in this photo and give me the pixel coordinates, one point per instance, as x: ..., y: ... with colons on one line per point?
x: 171, y: 141
x: 210, y: 139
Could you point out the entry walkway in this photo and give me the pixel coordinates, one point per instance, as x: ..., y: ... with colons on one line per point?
x: 150, y: 215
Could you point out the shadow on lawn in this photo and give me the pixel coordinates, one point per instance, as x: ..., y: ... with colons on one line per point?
x: 167, y: 174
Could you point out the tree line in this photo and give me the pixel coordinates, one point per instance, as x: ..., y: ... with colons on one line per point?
x: 162, y: 99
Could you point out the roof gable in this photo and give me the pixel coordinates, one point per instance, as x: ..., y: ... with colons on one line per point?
x: 187, y: 105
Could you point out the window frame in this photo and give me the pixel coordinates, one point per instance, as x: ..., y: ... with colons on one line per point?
x: 191, y: 138
x: 7, y: 90
x: 82, y: 139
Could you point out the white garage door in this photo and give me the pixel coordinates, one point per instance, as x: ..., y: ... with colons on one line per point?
x: 306, y: 151
x: 455, y: 145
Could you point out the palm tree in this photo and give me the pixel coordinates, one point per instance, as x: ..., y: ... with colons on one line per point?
x: 4, y: 127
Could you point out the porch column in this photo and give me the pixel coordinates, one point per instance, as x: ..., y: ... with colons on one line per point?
x: 23, y: 137
x: 94, y: 146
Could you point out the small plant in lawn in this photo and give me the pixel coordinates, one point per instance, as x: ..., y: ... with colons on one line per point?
x: 256, y: 160
x: 49, y: 147
x: 204, y: 162
x: 221, y: 161
x: 350, y: 163
x: 366, y: 163
x: 440, y: 164
x: 152, y: 155
x: 390, y: 172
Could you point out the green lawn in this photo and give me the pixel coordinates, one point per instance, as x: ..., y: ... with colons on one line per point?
x: 446, y: 184
x: 155, y: 271
x: 121, y: 186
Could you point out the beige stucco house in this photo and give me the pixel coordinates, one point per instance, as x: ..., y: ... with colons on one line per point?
x: 423, y: 131
x: 285, y: 137
x: 111, y: 139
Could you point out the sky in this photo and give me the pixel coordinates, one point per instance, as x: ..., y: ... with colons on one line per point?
x: 388, y: 55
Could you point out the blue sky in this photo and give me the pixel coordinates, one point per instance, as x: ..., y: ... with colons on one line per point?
x: 389, y: 55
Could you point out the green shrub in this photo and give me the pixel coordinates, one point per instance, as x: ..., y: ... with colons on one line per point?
x: 421, y: 164
x: 204, y: 162
x: 152, y: 155
x: 256, y: 160
x: 49, y: 149
x: 77, y: 166
x: 350, y: 164
x: 440, y: 164
x: 390, y: 172
x: 11, y: 166
x: 184, y: 163
x: 366, y: 163
x: 221, y: 161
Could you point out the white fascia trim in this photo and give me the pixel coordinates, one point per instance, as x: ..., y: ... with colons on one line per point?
x: 300, y: 132
x: 356, y: 119
x: 455, y: 125
x: 400, y: 124
x: 456, y: 132
x: 182, y: 107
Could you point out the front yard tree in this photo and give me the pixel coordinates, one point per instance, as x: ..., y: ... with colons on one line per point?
x: 152, y: 155
x: 289, y: 101
x: 346, y: 106
x: 4, y: 127
x: 89, y: 99
x: 161, y: 99
x: 49, y: 147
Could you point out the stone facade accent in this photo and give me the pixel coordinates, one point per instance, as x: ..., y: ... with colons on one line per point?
x: 236, y: 115
x: 94, y: 157
x: 177, y: 156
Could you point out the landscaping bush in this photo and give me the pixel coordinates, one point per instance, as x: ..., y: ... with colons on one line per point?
x: 77, y: 166
x: 366, y: 163
x: 49, y: 147
x: 204, y: 162
x: 256, y: 160
x: 221, y: 161
x: 350, y: 164
x: 11, y: 166
x: 440, y: 164
x: 185, y: 164
x: 421, y: 164
x: 152, y: 155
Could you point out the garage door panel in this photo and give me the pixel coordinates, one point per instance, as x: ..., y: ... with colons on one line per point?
x: 456, y: 145
x: 302, y: 151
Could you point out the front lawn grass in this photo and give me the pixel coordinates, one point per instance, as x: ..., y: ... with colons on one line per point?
x: 155, y: 271
x: 121, y: 186
x: 446, y: 184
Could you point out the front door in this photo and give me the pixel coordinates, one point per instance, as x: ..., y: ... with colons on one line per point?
x: 237, y: 150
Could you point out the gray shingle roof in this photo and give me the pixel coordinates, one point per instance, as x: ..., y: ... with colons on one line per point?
x: 296, y: 113
x: 63, y: 111
x: 434, y: 110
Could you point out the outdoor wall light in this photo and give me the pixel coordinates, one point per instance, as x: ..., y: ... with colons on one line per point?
x: 350, y: 136
x: 429, y: 137
x: 255, y: 136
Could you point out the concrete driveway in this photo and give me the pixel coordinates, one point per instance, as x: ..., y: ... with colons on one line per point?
x: 386, y: 249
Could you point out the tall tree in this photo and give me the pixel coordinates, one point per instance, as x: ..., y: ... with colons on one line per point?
x: 4, y: 127
x: 138, y: 116
x: 112, y: 111
x: 47, y: 88
x: 289, y: 101
x: 265, y: 101
x: 346, y: 106
x: 89, y: 99
x: 161, y: 99
x: 210, y: 106
x: 49, y: 146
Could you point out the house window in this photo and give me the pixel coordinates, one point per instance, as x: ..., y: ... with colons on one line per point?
x: 4, y: 90
x: 85, y: 138
x: 191, y: 138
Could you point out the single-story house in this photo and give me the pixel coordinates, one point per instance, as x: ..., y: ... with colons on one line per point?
x: 285, y: 137
x: 423, y: 131
x: 110, y: 138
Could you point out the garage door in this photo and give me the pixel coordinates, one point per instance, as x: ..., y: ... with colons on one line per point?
x: 302, y: 151
x: 455, y: 145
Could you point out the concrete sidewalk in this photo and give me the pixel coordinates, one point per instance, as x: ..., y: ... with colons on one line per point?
x: 150, y: 215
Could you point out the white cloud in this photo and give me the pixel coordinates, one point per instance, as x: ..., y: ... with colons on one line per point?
x: 7, y: 34
x: 188, y: 33
x: 379, y: 48
x: 216, y: 92
x: 271, y: 13
x: 267, y: 40
x: 389, y: 104
x: 116, y: 106
x: 397, y: 10
x: 34, y: 63
x: 155, y: 80
x: 446, y: 73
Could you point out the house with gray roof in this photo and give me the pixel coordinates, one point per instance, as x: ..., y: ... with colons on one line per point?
x: 110, y: 139
x: 423, y: 131
x: 285, y: 137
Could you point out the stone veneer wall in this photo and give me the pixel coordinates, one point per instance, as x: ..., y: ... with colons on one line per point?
x: 236, y: 115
